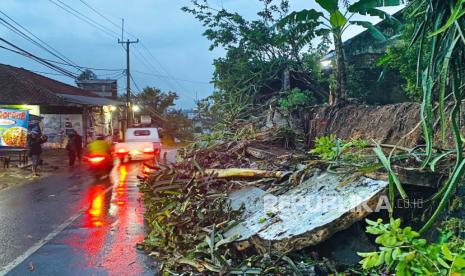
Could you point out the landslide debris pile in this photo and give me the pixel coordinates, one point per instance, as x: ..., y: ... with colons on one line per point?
x: 188, y: 208
x: 190, y: 215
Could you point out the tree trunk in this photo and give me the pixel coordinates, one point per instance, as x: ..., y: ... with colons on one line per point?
x: 341, y: 72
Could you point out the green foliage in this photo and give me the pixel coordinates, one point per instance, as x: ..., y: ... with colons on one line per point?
x: 439, y: 26
x: 296, y: 99
x: 177, y: 125
x: 329, y: 148
x: 207, y: 140
x: 359, y: 143
x: 392, y: 177
x: 454, y: 229
x: 325, y: 147
x: 402, y: 251
x: 302, y: 22
x: 401, y: 58
x: 252, y: 71
x: 154, y: 102
x: 177, y: 211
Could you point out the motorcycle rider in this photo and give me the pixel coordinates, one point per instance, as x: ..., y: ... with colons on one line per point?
x: 99, y: 147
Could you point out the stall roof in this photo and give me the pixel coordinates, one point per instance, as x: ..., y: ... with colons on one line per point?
x: 86, y: 100
x: 18, y: 87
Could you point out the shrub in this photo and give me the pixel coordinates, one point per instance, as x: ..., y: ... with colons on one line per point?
x: 296, y: 99
x: 404, y: 252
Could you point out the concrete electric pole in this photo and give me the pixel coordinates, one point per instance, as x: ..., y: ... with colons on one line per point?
x: 128, y: 82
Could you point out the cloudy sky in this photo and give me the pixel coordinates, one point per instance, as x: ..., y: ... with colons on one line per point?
x: 172, y: 53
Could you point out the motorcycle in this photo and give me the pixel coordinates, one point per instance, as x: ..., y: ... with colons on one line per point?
x: 99, y: 165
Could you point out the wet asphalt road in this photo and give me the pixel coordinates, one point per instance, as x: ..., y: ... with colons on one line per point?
x: 69, y: 224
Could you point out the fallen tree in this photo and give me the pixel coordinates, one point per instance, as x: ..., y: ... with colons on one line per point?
x: 203, y: 217
x: 207, y: 215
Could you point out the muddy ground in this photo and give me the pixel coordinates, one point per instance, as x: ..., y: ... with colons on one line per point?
x: 54, y: 161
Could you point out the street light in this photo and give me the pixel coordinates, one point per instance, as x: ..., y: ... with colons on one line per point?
x: 135, y: 108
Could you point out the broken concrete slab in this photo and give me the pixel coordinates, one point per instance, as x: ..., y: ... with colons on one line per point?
x: 307, y: 214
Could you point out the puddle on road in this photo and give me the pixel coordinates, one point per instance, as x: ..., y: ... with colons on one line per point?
x: 110, y: 228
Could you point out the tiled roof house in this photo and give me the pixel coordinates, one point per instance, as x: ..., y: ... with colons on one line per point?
x: 21, y: 86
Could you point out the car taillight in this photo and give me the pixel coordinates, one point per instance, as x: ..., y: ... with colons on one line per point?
x: 122, y: 150
x: 96, y: 159
x: 148, y: 150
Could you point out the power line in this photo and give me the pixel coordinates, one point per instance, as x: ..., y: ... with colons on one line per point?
x: 117, y: 75
x: 168, y: 77
x: 25, y: 53
x: 85, y: 67
x: 36, y: 58
x: 153, y: 69
x: 39, y: 60
x: 47, y: 73
x: 99, y: 13
x: 113, y: 76
x: 135, y: 84
x: 47, y: 47
x: 142, y: 58
x: 161, y: 66
x: 88, y: 18
x: 139, y: 56
x: 106, y: 18
x: 84, y: 18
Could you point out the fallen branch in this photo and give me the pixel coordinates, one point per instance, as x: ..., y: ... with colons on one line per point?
x: 244, y: 173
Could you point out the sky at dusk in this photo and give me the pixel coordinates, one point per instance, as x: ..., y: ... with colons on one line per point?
x: 172, y: 53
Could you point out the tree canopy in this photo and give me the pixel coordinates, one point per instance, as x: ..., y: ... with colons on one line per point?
x: 87, y: 75
x: 260, y: 63
x: 154, y: 102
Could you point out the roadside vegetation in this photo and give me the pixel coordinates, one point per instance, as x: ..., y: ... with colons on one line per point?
x: 268, y: 81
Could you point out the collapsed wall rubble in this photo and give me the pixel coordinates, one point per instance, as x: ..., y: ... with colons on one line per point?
x: 305, y: 215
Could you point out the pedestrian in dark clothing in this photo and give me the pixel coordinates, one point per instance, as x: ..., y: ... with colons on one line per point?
x: 74, y: 148
x: 78, y: 143
x: 35, y: 150
x: 71, y: 148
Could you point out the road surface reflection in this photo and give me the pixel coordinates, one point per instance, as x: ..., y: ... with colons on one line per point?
x: 112, y: 225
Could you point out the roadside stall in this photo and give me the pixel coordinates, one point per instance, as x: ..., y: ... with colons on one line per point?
x: 13, y: 135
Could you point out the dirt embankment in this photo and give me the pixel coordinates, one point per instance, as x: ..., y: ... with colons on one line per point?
x: 385, y: 124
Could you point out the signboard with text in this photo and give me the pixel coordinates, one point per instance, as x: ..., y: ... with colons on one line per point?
x: 13, y: 127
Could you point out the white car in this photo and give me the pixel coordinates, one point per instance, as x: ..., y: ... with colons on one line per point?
x: 139, y: 144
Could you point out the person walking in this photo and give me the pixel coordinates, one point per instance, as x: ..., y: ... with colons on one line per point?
x: 78, y: 143
x: 35, y: 149
x: 71, y: 147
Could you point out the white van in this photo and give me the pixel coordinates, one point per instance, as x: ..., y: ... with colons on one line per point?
x: 139, y: 144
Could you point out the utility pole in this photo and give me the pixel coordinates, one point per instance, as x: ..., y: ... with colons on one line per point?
x: 128, y: 78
